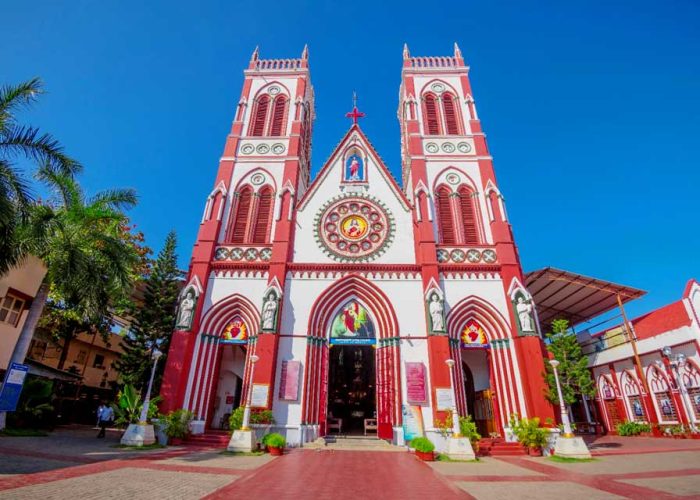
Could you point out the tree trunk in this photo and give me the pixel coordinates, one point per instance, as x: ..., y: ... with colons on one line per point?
x: 25, y: 337
x: 64, y: 350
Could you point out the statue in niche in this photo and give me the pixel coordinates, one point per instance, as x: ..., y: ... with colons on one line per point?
x: 269, y: 312
x: 524, y: 310
x: 436, y: 309
x: 186, y: 310
x: 354, y: 169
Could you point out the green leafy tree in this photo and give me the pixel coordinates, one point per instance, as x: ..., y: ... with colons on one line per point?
x: 574, y: 375
x: 153, y: 320
x: 18, y: 142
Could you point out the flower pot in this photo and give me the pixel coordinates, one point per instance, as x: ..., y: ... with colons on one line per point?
x: 176, y: 441
x: 426, y: 456
x: 656, y: 432
x: 535, y: 451
x: 275, y: 452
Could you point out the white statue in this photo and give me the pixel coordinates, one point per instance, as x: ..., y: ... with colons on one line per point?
x: 436, y: 314
x: 525, y: 315
x: 269, y: 311
x: 186, y: 310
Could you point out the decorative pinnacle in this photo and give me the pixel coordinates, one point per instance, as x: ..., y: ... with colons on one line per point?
x: 406, y: 53
x: 458, y: 53
x: 254, y: 57
x: 305, y: 52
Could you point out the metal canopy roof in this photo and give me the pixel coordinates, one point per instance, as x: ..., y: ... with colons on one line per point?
x: 575, y: 297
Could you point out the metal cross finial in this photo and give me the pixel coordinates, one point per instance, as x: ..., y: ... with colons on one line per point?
x: 355, y: 114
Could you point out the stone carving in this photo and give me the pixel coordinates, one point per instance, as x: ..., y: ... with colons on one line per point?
x: 186, y: 310
x: 524, y: 309
x: 269, y: 312
x: 436, y: 308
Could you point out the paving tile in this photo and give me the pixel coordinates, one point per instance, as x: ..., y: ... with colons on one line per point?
x: 127, y: 484
x: 484, y: 467
x: 627, y: 464
x: 679, y: 485
x: 549, y: 490
x: 11, y: 465
x: 217, y: 459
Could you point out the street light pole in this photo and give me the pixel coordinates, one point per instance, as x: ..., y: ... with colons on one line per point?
x: 246, y: 412
x: 562, y: 407
x: 455, y: 416
x: 147, y: 400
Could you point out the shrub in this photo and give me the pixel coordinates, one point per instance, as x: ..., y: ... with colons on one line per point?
x: 422, y: 444
x: 261, y: 417
x: 530, y: 433
x: 274, y: 440
x: 467, y: 428
x: 628, y: 428
x: 177, y: 424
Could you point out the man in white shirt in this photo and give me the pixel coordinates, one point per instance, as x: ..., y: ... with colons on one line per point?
x: 106, y: 418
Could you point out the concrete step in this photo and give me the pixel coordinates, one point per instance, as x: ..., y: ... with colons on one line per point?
x: 352, y: 443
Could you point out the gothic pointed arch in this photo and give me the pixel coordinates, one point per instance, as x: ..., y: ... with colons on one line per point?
x: 431, y: 115
x: 279, y: 116
x: 259, y: 116
x: 450, y: 112
x: 447, y: 234
x: 262, y: 221
x: 241, y: 210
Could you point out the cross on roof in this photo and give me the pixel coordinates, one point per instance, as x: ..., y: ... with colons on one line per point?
x: 355, y: 114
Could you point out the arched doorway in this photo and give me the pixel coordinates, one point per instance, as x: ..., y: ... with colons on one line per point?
x: 329, y: 310
x: 352, y: 406
x: 609, y: 403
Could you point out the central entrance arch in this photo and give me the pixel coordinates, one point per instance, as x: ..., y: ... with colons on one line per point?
x: 327, y: 313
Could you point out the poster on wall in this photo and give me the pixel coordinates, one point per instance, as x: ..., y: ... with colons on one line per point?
x: 412, y: 422
x: 415, y: 383
x: 258, y: 397
x: 289, y: 380
x: 235, y: 332
x: 352, y: 325
x: 444, y: 399
x: 473, y: 336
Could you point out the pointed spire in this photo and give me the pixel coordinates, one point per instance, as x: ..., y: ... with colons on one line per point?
x: 458, y: 53
x: 305, y: 53
x: 254, y: 57
x: 406, y: 53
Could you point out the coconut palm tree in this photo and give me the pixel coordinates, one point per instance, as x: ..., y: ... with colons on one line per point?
x: 16, y: 142
x: 80, y: 240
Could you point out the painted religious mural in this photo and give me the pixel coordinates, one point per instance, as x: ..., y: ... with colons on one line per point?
x: 235, y: 332
x: 473, y: 335
x: 352, y: 325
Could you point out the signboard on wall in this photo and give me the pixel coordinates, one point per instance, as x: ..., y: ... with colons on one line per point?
x: 415, y: 383
x: 444, y: 399
x: 412, y: 422
x: 258, y: 397
x: 289, y: 380
x: 12, y: 386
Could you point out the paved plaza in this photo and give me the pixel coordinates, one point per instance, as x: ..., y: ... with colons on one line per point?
x: 73, y: 464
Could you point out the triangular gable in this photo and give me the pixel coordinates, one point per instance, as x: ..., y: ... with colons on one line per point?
x: 345, y: 141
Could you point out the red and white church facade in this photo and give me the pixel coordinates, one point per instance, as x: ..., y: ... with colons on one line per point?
x: 351, y: 289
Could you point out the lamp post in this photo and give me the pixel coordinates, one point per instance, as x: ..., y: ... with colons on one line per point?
x: 455, y: 416
x: 155, y: 356
x: 246, y: 412
x: 677, y: 363
x: 562, y: 407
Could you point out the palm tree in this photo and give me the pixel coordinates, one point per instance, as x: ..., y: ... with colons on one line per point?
x: 20, y: 141
x: 80, y: 240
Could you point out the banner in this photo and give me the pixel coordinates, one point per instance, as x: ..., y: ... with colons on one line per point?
x: 415, y: 383
x: 412, y: 422
x: 12, y: 386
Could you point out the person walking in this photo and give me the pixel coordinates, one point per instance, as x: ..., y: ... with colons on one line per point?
x: 106, y: 418
x: 100, y: 409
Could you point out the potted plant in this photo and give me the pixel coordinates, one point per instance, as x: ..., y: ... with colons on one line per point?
x: 656, y: 431
x: 531, y: 435
x: 275, y: 443
x: 177, y: 425
x: 467, y: 427
x: 424, y: 448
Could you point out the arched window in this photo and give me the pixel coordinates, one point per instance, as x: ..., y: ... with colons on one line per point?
x: 446, y: 226
x: 259, y: 116
x: 239, y: 225
x: 691, y: 379
x: 634, y: 398
x: 278, y: 114
x: 468, y: 219
x: 263, y: 216
x: 662, y: 395
x: 430, y: 112
x: 450, y: 113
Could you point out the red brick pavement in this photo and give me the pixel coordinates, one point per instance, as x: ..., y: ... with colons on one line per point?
x: 340, y: 475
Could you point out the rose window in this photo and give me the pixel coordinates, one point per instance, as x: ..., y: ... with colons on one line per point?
x: 354, y: 228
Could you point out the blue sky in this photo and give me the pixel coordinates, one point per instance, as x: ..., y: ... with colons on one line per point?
x: 591, y: 109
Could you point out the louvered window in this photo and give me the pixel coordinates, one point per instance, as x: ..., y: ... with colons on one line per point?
x: 466, y: 202
x: 450, y: 112
x: 432, y: 122
x: 240, y: 222
x: 445, y: 220
x: 263, y: 216
x: 259, y: 117
x: 278, y: 112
